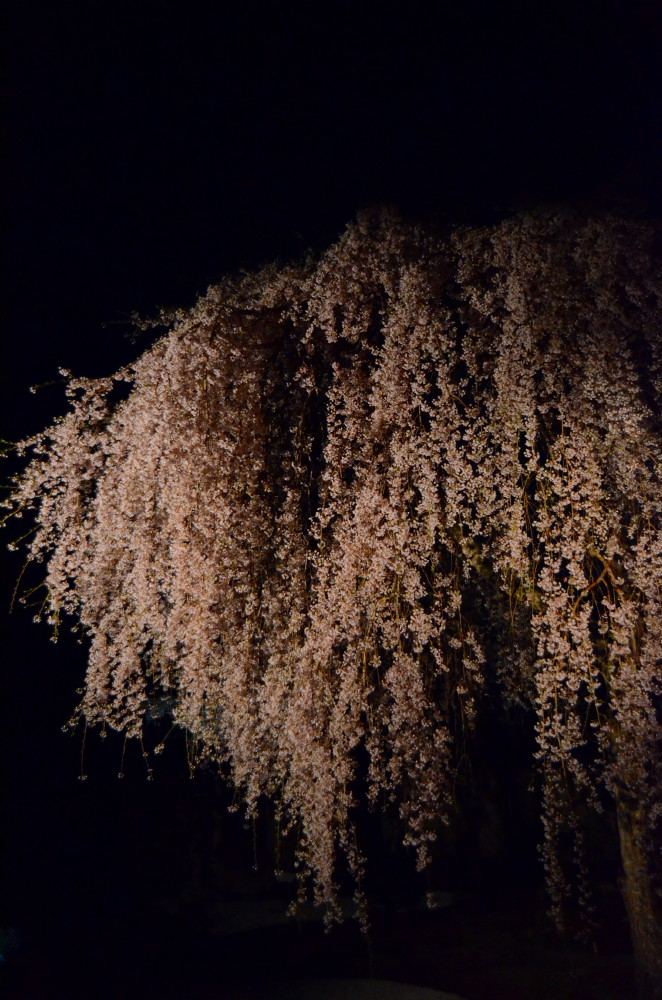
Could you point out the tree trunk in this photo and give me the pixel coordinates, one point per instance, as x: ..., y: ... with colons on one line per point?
x: 642, y: 906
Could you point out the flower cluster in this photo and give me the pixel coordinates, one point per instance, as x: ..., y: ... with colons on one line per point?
x: 340, y: 495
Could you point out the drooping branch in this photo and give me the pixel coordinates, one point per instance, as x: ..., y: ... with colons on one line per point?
x: 333, y: 486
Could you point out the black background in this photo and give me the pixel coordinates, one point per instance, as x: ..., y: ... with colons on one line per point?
x: 149, y: 148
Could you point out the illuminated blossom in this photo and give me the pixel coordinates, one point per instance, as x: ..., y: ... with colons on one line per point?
x: 334, y: 486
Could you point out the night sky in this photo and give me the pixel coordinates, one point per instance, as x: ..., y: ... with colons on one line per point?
x: 151, y: 147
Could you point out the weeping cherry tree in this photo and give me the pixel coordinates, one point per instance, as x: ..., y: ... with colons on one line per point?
x: 338, y: 499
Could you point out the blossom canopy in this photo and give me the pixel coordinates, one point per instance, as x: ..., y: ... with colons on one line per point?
x: 338, y: 499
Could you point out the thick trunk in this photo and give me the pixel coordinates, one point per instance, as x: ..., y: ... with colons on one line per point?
x: 642, y: 906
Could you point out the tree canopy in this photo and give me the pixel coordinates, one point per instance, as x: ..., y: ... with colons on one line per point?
x: 340, y: 498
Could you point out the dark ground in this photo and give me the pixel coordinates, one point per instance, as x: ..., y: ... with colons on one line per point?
x: 481, y: 948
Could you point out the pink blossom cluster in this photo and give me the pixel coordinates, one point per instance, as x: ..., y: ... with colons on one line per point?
x: 334, y: 486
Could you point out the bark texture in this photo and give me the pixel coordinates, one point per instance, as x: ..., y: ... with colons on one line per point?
x: 641, y: 902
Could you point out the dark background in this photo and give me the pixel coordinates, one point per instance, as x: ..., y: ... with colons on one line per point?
x: 149, y: 148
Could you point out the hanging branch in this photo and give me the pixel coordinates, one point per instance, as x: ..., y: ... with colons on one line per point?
x: 333, y: 484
